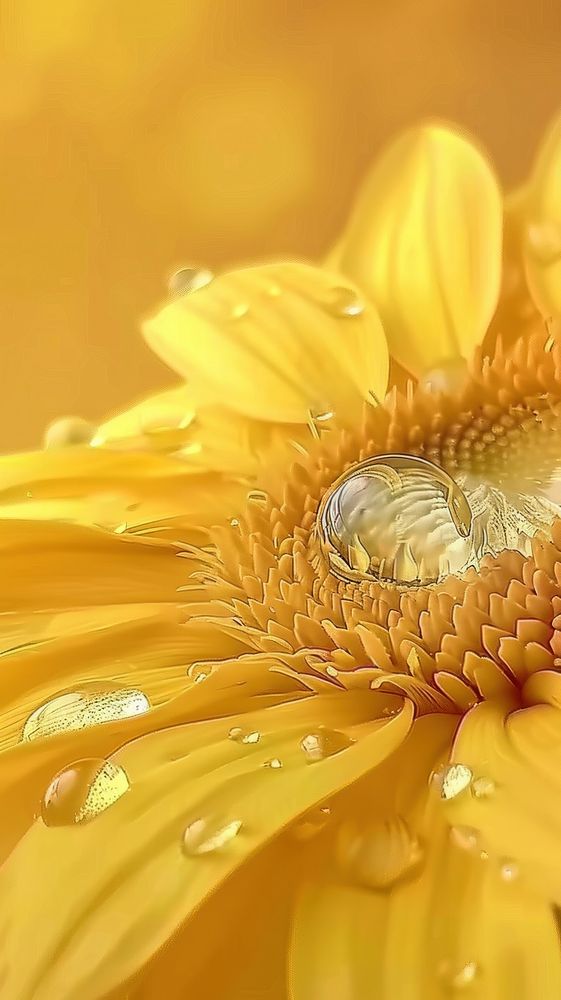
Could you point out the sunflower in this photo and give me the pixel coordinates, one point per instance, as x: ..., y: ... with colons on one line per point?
x: 281, y: 700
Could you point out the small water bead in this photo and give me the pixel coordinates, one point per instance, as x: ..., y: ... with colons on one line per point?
x: 312, y: 824
x: 456, y: 778
x: 82, y: 791
x: 483, y: 788
x: 239, y: 310
x: 67, y: 431
x: 457, y: 977
x: 189, y: 279
x: 380, y: 854
x: 275, y: 764
x: 344, y: 302
x: 448, y: 376
x: 467, y: 838
x: 509, y: 871
x: 204, y: 837
x: 324, y: 743
x: 89, y: 706
x: 239, y: 735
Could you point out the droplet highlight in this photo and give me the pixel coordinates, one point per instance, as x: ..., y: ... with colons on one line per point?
x: 381, y: 854
x: 68, y: 431
x: 324, y: 743
x: 203, y: 837
x: 83, y: 708
x: 82, y: 791
x: 189, y: 279
x: 455, y: 779
x: 344, y: 302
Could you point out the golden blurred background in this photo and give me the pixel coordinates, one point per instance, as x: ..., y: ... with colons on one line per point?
x: 138, y: 137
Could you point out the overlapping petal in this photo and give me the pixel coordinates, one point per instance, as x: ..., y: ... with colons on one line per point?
x: 159, y: 855
x: 424, y: 242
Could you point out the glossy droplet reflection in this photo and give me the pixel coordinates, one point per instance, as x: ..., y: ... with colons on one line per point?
x: 189, y: 279
x: 344, y: 302
x: 202, y: 836
x: 457, y: 976
x: 455, y: 779
x: 324, y: 743
x: 68, y: 431
x: 82, y: 791
x: 80, y: 709
x: 379, y: 855
x: 396, y: 519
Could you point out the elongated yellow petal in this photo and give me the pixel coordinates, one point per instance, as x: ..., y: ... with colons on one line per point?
x: 518, y: 757
x: 445, y: 924
x: 424, y: 242
x: 542, y: 237
x: 100, y: 486
x: 179, y: 812
x: 276, y: 341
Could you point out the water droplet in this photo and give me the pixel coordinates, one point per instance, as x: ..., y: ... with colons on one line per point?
x: 467, y: 838
x: 201, y: 676
x: 483, y: 788
x: 345, y: 302
x: 324, y: 743
x: 379, y: 855
x: 509, y: 871
x: 331, y: 671
x: 68, y: 431
x: 238, y: 735
x: 458, y: 977
x: 189, y: 279
x: 258, y: 496
x: 544, y: 240
x: 234, y: 523
x: 203, y: 837
x: 238, y: 311
x: 274, y: 763
x: 312, y: 824
x: 456, y: 778
x: 89, y: 706
x: 396, y: 519
x: 549, y: 344
x: 82, y: 791
x: 447, y: 377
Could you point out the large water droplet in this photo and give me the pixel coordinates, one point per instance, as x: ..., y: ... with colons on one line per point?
x: 67, y: 431
x: 324, y: 743
x: 456, y: 778
x: 189, y: 279
x: 82, y: 791
x: 381, y: 854
x: 396, y: 519
x: 203, y: 836
x: 88, y: 706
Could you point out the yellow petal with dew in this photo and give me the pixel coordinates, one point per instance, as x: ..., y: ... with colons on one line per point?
x: 518, y: 755
x: 542, y: 235
x: 446, y: 926
x: 199, y: 804
x: 98, y: 486
x: 275, y: 342
x: 424, y: 243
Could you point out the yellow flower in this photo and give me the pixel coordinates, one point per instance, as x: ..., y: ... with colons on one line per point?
x: 281, y: 705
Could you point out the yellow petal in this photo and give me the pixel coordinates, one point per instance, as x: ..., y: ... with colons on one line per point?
x: 542, y: 236
x: 198, y: 805
x: 114, y: 490
x: 447, y: 926
x: 518, y: 821
x: 274, y: 342
x: 424, y: 242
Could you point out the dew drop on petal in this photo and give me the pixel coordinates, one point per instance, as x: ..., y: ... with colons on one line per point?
x: 189, y: 279
x: 67, y: 431
x: 509, y: 871
x: 274, y: 763
x: 324, y: 743
x: 239, y: 735
x: 457, y: 976
x: 203, y: 837
x: 381, y: 854
x: 344, y: 302
x: 82, y: 791
x: 91, y: 705
x: 238, y: 311
x: 483, y: 788
x: 467, y: 838
x: 456, y: 778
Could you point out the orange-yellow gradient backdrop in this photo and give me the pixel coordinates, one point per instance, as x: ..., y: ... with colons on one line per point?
x: 139, y: 135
